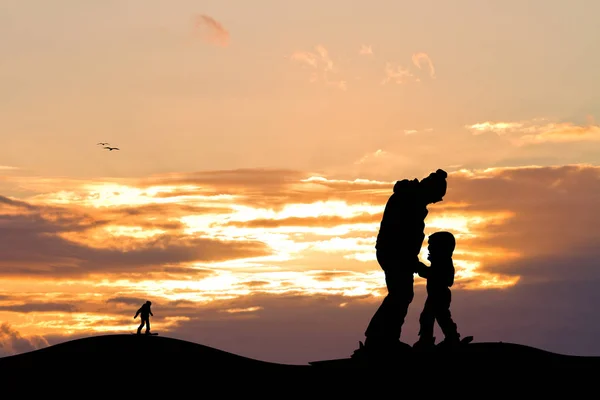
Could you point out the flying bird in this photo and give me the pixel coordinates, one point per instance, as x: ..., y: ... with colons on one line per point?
x: 102, y: 144
x: 111, y: 148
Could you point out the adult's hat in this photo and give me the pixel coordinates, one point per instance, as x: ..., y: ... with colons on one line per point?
x: 441, y: 173
x: 436, y: 182
x: 441, y: 184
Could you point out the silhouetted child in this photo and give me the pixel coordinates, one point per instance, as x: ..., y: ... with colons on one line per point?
x: 440, y: 277
x: 145, y: 312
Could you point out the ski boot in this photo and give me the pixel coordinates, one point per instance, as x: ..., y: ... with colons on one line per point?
x: 450, y: 342
x: 424, y: 343
x: 380, y: 352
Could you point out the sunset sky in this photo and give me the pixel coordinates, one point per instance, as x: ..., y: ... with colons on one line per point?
x: 259, y: 141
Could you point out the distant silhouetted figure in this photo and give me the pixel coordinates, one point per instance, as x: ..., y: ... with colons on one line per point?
x: 440, y: 278
x: 144, y: 312
x: 103, y: 143
x: 111, y: 148
x: 399, y: 242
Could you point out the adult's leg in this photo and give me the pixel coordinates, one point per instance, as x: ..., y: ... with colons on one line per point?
x: 401, y: 294
x: 375, y: 327
x: 386, y: 323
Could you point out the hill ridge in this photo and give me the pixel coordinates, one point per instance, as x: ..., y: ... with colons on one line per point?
x: 107, y: 348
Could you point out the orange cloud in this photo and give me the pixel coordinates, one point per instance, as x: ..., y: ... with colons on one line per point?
x: 81, y: 243
x: 213, y: 31
x: 11, y: 341
x: 256, y: 216
x: 365, y: 50
x: 538, y: 131
x: 401, y: 75
x: 242, y: 310
x: 380, y: 163
x: 397, y: 74
x: 420, y: 59
x: 321, y: 62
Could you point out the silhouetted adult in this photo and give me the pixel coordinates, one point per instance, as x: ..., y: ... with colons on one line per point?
x: 399, y: 241
x: 144, y: 312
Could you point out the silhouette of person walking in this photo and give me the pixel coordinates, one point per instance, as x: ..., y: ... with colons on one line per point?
x: 440, y: 278
x: 398, y: 244
x: 144, y: 312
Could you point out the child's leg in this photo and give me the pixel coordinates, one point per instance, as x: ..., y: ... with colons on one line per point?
x: 444, y: 317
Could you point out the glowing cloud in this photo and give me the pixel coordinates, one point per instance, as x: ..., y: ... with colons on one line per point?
x: 279, y: 233
x: 538, y: 130
x: 397, y: 74
x: 322, y: 63
x: 365, y: 50
x: 11, y: 341
x: 420, y: 59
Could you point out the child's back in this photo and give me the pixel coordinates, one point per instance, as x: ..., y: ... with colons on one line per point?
x: 441, y: 275
x: 145, y: 309
x: 441, y: 272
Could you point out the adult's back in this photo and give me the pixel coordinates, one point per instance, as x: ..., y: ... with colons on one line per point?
x: 402, y: 226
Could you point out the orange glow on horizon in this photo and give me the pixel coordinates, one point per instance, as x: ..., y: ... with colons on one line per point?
x: 280, y: 272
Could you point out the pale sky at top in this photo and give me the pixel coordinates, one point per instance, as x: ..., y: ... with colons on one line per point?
x: 140, y: 75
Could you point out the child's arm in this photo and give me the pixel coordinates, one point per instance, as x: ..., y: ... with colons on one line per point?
x: 150, y: 311
x: 423, y: 270
x: 137, y: 313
